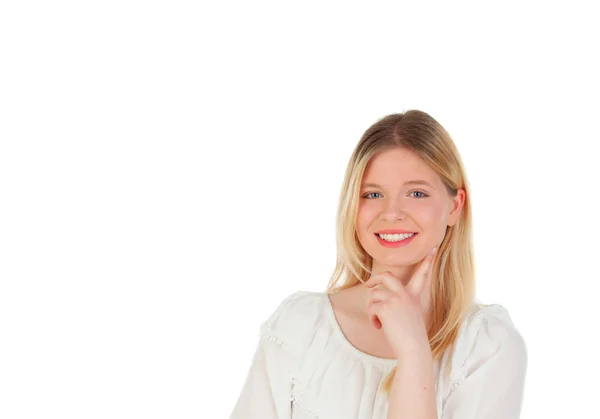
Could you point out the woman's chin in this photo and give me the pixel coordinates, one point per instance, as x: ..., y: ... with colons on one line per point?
x: 398, y: 261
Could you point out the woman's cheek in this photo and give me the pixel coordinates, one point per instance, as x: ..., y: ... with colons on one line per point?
x: 432, y: 219
x: 427, y: 214
x: 367, y: 214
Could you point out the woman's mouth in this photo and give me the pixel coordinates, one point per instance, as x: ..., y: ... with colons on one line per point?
x: 395, y: 240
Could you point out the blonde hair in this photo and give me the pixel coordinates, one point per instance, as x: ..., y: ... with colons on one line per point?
x: 453, y: 287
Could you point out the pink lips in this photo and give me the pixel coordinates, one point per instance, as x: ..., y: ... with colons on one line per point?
x: 395, y: 244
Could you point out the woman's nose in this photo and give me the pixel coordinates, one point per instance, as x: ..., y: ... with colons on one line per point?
x: 394, y: 210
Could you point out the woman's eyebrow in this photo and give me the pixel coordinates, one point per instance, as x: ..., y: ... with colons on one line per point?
x: 409, y: 182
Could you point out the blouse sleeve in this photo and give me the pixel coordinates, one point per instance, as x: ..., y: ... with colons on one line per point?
x: 267, y: 391
x: 491, y: 376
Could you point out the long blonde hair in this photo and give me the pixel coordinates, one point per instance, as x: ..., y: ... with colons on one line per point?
x: 453, y: 287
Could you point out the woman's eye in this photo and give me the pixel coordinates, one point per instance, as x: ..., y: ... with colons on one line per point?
x: 421, y: 192
x: 369, y: 194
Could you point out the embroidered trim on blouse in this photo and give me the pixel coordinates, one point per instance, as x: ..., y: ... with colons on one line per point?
x: 275, y: 339
x: 295, y: 394
x: 305, y: 411
x: 462, y: 374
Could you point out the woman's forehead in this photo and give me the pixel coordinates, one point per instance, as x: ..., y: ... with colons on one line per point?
x: 398, y: 167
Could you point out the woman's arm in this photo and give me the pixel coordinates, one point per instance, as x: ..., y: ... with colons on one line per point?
x: 413, y: 388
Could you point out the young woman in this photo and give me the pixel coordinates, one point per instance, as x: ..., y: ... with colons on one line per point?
x: 399, y: 333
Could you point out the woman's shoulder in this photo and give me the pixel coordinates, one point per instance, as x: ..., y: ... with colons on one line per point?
x: 295, y: 318
x: 487, y: 330
x: 495, y: 320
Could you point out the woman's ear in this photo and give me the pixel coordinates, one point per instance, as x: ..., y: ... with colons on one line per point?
x: 457, y: 204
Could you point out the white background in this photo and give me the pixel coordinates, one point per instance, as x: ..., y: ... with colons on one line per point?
x: 169, y: 172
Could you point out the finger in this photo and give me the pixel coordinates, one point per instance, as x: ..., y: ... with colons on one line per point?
x: 388, y: 279
x: 371, y: 298
x: 422, y: 275
x: 372, y: 311
x: 425, y: 293
x: 379, y: 294
x: 377, y: 323
x: 378, y: 278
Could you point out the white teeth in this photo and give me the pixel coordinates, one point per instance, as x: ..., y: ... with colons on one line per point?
x: 395, y: 237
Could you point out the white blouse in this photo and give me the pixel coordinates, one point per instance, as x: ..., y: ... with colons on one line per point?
x: 305, y: 368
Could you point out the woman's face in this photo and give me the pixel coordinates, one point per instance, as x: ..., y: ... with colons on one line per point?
x: 392, y: 197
